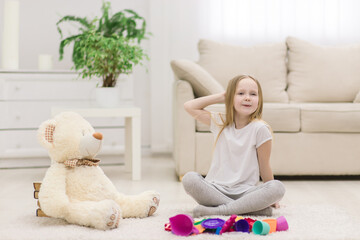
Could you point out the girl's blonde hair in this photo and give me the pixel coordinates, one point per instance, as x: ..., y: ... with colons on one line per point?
x: 229, y: 103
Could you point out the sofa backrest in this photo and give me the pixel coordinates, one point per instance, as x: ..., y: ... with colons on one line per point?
x: 295, y: 70
x: 267, y: 63
x: 322, y: 73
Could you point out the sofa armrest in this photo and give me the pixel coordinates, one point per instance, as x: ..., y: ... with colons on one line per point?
x: 184, y: 129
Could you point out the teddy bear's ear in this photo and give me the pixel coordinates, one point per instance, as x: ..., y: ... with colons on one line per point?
x: 46, y: 133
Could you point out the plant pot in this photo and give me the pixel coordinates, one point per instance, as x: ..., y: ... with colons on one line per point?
x: 107, y: 97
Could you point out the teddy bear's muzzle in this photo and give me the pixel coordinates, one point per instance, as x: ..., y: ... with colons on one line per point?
x: 90, y: 145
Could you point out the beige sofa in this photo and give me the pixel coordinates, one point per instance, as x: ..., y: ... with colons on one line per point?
x: 311, y: 100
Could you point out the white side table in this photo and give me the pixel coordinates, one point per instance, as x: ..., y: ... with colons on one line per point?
x: 132, y: 117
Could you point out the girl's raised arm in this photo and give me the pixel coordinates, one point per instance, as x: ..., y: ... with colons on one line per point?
x: 196, y: 106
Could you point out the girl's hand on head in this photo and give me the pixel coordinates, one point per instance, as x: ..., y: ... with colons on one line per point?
x: 223, y: 96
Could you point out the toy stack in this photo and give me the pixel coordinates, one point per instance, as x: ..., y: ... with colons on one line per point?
x: 39, y: 212
x: 184, y: 225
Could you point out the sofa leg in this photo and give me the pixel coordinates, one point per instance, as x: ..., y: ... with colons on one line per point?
x: 180, y: 178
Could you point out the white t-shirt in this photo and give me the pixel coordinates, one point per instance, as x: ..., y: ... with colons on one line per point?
x: 234, y: 168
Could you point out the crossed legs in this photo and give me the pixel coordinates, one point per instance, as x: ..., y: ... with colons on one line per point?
x: 256, y: 201
x: 202, y: 191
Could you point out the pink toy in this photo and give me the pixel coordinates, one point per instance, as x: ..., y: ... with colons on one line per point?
x: 182, y: 225
x: 281, y: 224
x: 228, y: 224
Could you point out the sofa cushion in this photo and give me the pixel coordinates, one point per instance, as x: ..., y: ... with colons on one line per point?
x: 322, y: 73
x: 330, y: 117
x: 202, y: 82
x: 264, y: 62
x: 282, y: 117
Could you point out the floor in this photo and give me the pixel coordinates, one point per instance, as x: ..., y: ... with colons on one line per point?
x: 158, y: 174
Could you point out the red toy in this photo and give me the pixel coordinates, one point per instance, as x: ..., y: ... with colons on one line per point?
x: 250, y: 222
x: 228, y: 224
x: 167, y: 227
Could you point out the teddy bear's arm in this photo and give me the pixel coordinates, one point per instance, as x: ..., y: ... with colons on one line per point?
x: 52, y: 196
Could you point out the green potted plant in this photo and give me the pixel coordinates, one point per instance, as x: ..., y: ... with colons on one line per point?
x: 106, y: 47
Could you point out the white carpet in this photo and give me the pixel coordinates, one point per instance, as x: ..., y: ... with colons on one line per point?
x: 305, y: 222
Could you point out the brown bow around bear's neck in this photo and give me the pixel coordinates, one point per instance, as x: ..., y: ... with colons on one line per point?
x: 76, y: 162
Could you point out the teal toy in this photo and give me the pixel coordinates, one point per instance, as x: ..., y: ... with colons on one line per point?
x: 261, y: 228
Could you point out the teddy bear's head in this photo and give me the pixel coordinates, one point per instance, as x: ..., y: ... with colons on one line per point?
x: 69, y: 136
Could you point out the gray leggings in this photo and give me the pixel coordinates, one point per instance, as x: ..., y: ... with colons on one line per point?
x: 255, y: 199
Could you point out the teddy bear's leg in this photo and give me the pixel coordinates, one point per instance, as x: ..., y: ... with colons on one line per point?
x: 139, y: 206
x: 103, y: 215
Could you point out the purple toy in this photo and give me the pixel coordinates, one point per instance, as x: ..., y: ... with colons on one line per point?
x: 212, y: 223
x: 242, y: 226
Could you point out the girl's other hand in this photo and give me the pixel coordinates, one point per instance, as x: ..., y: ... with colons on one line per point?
x: 276, y: 205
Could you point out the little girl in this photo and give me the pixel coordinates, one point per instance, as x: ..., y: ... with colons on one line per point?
x: 241, y: 152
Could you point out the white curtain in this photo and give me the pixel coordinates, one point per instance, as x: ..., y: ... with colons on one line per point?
x: 177, y: 26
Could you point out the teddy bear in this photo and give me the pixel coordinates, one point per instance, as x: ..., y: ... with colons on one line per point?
x: 75, y: 188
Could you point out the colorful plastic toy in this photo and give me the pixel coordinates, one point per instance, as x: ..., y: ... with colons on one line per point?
x: 167, y: 227
x: 200, y: 228
x: 242, y: 226
x: 199, y: 222
x: 261, y: 228
x: 281, y: 224
x: 272, y: 223
x: 182, y: 225
x: 213, y: 223
x: 250, y: 222
x: 228, y: 224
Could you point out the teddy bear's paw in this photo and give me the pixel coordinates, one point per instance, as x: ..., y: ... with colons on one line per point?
x: 109, y: 214
x: 113, y: 219
x: 153, y: 201
x: 153, y: 208
x: 103, y: 215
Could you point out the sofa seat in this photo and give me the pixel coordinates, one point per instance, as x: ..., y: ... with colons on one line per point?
x: 330, y: 117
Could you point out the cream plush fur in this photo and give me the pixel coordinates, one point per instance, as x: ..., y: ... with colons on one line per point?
x: 83, y: 195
